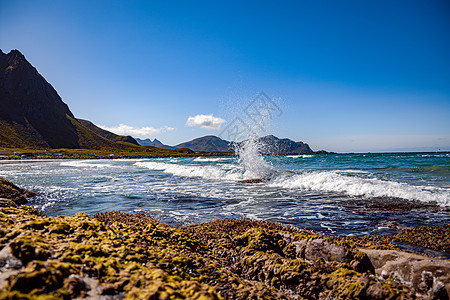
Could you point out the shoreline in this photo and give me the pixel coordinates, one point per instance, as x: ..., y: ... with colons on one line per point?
x: 116, y: 255
x: 4, y: 158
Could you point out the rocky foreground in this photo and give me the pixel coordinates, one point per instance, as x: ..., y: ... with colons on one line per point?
x: 115, y: 255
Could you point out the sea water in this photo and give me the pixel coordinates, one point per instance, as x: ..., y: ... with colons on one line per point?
x: 335, y: 194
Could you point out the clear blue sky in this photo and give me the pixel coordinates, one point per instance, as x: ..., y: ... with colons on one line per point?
x: 348, y: 75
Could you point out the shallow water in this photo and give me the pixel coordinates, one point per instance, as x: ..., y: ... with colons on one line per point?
x: 339, y: 194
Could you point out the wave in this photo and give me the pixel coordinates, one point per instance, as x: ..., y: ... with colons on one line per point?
x: 224, y: 172
x: 300, y: 155
x: 86, y: 164
x: 435, y: 155
x: 332, y: 181
x: 212, y: 159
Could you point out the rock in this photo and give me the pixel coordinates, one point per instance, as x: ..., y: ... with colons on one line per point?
x: 252, y: 181
x: 329, y: 251
x: 76, y: 286
x: 117, y: 255
x: 5, y: 202
x: 427, y: 275
x: 9, y: 190
x: 9, y: 265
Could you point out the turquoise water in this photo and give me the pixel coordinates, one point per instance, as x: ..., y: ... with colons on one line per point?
x: 334, y: 194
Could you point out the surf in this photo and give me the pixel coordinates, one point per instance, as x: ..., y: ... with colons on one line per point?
x: 355, y: 186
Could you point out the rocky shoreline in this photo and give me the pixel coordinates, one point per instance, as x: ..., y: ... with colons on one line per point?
x: 115, y: 255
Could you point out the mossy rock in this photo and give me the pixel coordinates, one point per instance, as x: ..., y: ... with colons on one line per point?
x: 135, y: 257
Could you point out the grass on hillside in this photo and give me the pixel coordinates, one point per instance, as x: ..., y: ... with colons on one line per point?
x: 134, y: 151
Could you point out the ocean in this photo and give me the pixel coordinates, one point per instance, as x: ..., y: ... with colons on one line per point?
x: 333, y: 194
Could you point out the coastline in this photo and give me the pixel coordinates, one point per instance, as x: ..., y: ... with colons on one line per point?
x: 115, y: 255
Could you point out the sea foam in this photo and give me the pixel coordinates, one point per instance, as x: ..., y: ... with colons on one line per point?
x: 229, y: 172
x: 333, y: 181
x: 212, y: 159
x: 87, y: 164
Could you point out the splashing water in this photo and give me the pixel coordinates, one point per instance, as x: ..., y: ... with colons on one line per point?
x: 252, y: 161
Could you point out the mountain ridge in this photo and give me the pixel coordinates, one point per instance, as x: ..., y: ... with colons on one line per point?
x: 32, y: 114
x: 154, y: 143
x: 272, y: 145
x: 207, y: 142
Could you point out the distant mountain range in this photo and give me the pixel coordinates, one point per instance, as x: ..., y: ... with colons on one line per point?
x: 207, y: 143
x: 154, y: 143
x: 271, y: 145
x: 32, y: 114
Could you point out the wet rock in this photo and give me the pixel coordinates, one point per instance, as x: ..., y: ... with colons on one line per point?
x: 258, y: 180
x: 431, y: 237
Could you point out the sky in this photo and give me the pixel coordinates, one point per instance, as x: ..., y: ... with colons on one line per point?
x: 344, y: 76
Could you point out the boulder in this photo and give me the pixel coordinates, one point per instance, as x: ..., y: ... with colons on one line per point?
x: 316, y: 248
x: 10, y: 191
x: 429, y: 276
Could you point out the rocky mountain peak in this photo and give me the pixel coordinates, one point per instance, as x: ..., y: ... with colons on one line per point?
x: 32, y: 114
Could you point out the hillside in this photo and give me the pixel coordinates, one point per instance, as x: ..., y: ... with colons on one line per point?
x: 32, y: 114
x: 107, y: 134
x: 207, y: 143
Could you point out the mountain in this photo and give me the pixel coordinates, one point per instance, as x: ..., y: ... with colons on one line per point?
x: 32, y: 114
x: 272, y: 145
x: 107, y: 134
x: 207, y: 143
x: 154, y: 143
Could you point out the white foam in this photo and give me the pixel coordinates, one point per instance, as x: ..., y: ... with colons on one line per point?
x: 228, y: 172
x: 353, y: 171
x: 436, y: 155
x: 333, y: 181
x: 85, y: 164
x: 300, y: 155
x: 212, y: 159
x: 252, y: 161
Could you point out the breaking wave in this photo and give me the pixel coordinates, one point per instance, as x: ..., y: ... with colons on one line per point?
x: 300, y: 155
x: 340, y: 182
x: 225, y: 172
x: 87, y: 164
x: 212, y: 159
x: 333, y: 181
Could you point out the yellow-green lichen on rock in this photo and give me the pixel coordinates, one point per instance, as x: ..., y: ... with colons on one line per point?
x: 128, y: 256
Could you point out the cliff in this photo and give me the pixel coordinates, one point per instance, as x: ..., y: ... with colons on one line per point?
x: 32, y: 114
